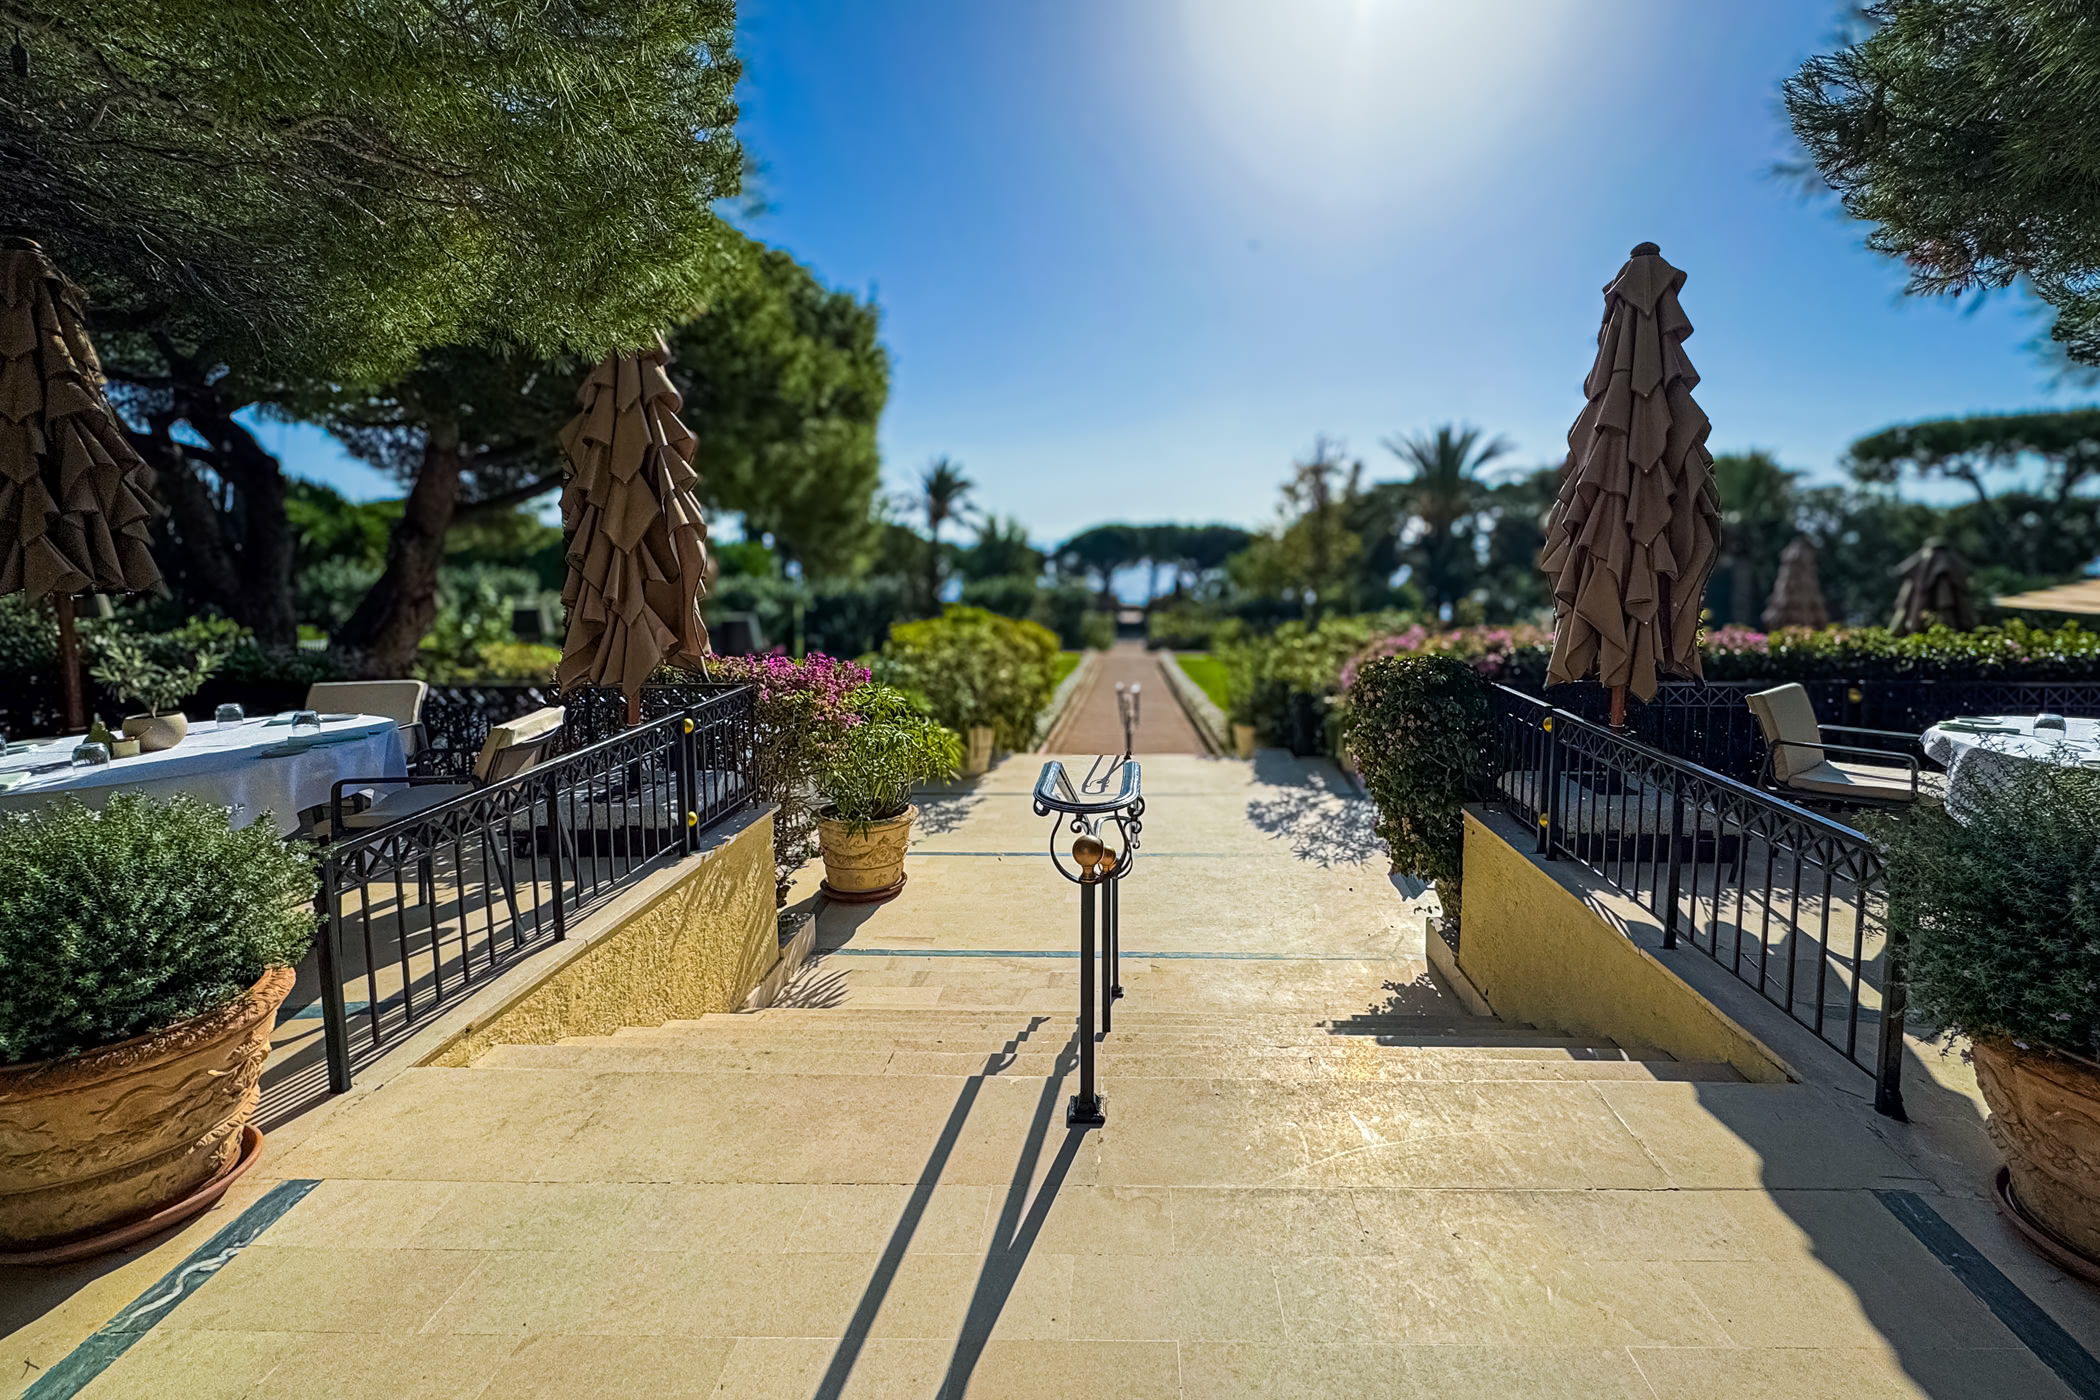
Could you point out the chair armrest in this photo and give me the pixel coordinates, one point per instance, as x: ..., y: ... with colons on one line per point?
x: 1880, y: 733
x: 1910, y: 761
x: 335, y: 794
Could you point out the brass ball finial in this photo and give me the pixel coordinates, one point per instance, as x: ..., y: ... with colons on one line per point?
x: 1108, y: 860
x: 1088, y: 850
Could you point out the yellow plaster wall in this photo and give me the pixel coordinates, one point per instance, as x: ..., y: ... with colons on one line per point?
x: 696, y: 946
x: 1541, y: 954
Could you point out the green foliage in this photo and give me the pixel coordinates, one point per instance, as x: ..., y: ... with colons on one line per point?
x: 784, y: 383
x: 123, y: 922
x: 330, y: 188
x: 2015, y: 651
x: 802, y: 720
x: 1002, y: 551
x: 1418, y: 727
x: 971, y: 667
x: 1963, y: 130
x: 474, y: 615
x: 868, y: 776
x: 161, y: 671
x: 1067, y: 609
x: 2002, y: 909
x: 1009, y: 595
x: 1264, y: 673
x: 1760, y: 514
x: 1444, y: 493
x: 1185, y: 628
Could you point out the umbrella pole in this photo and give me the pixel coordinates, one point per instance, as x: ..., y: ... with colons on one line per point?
x: 69, y: 665
x: 1618, y: 707
x: 634, y: 709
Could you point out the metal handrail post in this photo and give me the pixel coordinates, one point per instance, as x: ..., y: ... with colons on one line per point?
x: 1085, y: 1108
x: 1549, y: 819
x: 1669, y: 913
x: 1895, y: 998
x: 335, y: 1016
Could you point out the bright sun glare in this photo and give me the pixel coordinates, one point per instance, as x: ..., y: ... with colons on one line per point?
x: 1348, y: 105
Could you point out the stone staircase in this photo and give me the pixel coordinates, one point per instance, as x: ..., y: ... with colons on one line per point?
x: 1146, y: 1044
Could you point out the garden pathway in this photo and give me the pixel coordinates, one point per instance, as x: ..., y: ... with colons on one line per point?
x: 1092, y: 724
x: 1318, y: 1177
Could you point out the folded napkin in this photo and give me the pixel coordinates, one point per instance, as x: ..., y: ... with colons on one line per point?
x: 1980, y: 726
x: 301, y: 743
x: 281, y: 721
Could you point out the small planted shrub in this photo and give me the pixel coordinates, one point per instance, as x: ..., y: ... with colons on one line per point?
x: 122, y: 922
x: 2002, y: 908
x: 802, y: 718
x: 1417, y: 725
x: 158, y: 671
x: 890, y: 745
x: 970, y: 667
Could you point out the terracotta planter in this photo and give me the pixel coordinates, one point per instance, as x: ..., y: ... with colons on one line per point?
x: 156, y: 732
x: 1243, y: 740
x: 2045, y: 1116
x: 865, y: 866
x: 977, y: 753
x: 94, y: 1141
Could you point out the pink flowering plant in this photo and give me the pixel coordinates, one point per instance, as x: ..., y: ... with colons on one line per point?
x: 802, y: 717
x: 1513, y: 653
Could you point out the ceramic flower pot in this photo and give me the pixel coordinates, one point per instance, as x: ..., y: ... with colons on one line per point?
x: 2045, y: 1116
x: 117, y: 1136
x: 156, y: 732
x: 1243, y: 740
x: 865, y: 866
x: 977, y: 754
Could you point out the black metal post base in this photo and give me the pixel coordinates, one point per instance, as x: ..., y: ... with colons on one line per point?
x: 1117, y: 991
x: 1093, y: 1115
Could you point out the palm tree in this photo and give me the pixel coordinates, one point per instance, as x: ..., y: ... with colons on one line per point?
x: 944, y: 494
x: 1443, y: 495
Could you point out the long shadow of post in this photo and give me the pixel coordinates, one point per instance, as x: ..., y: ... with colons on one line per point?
x: 855, y: 1337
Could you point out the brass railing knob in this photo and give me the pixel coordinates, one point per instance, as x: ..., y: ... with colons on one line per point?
x: 1088, y: 851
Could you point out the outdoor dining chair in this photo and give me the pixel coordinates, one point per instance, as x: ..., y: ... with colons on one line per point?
x: 399, y: 701
x: 1798, y: 762
x: 509, y: 750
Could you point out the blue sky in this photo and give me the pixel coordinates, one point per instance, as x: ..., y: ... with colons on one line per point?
x: 1133, y: 254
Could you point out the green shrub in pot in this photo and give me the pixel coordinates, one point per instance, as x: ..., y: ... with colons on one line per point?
x: 144, y: 952
x: 1998, y: 908
x: 889, y: 745
x: 125, y: 921
x: 1417, y: 724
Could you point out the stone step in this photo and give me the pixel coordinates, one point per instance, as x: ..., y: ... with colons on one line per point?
x: 1433, y: 1066
x: 1057, y: 1033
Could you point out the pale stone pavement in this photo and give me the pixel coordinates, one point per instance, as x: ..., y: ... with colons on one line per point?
x: 1318, y: 1177
x: 1093, y: 725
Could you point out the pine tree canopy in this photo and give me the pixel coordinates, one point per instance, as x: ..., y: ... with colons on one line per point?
x: 327, y: 188
x: 1964, y: 130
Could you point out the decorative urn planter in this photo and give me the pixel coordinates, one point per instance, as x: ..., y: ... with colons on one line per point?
x: 865, y: 866
x: 157, y: 732
x: 1243, y: 740
x: 109, y: 1146
x: 977, y: 756
x: 2045, y: 1116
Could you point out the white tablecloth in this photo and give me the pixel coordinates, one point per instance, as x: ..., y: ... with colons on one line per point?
x: 223, y: 764
x: 1973, y: 758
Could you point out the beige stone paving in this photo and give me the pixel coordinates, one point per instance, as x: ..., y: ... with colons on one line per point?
x: 872, y: 1192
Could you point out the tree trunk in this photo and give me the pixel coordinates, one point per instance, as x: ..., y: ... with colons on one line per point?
x: 397, y: 612
x: 240, y: 548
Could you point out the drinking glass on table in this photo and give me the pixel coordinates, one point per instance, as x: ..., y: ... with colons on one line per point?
x: 89, y: 754
x: 230, y: 714
x: 306, y: 719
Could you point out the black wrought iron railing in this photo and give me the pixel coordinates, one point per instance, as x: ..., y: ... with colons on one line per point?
x: 1793, y: 903
x: 1710, y: 723
x: 418, y: 914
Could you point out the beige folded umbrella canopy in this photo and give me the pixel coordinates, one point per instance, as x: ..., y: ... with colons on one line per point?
x: 76, y: 510
x: 1636, y: 527
x: 1797, y: 594
x: 637, y: 541
x: 1934, y: 587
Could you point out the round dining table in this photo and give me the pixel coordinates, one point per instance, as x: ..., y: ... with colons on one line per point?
x: 1975, y: 749
x: 249, y: 766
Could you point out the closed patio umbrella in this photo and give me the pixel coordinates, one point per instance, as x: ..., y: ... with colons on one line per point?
x: 1637, y: 525
x: 75, y: 510
x: 1797, y: 594
x: 637, y: 546
x: 1935, y: 586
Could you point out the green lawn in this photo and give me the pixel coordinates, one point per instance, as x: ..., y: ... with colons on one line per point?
x: 1066, y: 661
x: 1207, y: 672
